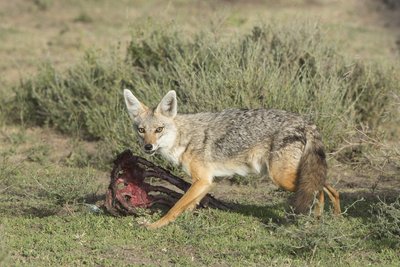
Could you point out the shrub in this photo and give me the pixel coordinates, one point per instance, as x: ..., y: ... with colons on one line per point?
x: 387, y: 221
x: 289, y: 67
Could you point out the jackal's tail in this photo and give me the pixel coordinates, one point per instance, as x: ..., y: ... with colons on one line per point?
x: 311, y: 182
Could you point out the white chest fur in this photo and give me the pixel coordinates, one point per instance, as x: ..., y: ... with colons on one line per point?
x: 173, y: 155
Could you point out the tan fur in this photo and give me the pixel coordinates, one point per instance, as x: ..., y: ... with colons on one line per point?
x: 283, y: 166
x: 149, y: 138
x: 199, y: 188
x: 320, y: 204
x: 334, y: 197
x: 207, y: 145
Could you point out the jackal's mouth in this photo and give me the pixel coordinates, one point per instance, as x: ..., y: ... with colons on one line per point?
x: 153, y: 149
x: 151, y: 153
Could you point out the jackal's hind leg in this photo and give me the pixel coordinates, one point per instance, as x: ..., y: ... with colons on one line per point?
x: 334, y: 197
x: 319, y: 207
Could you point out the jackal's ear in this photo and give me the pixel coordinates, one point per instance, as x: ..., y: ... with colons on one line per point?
x: 133, y: 104
x: 168, y: 105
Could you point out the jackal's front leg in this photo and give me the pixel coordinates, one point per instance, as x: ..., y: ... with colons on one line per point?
x: 190, y: 199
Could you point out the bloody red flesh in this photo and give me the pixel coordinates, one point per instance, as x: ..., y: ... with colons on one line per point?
x: 133, y: 194
x: 128, y: 190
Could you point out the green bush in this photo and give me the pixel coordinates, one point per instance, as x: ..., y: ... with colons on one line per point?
x: 289, y: 67
x: 387, y: 221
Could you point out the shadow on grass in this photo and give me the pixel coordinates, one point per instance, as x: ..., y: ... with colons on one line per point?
x: 33, y: 210
x: 354, y: 204
x: 19, y: 205
x: 265, y: 213
x: 358, y: 204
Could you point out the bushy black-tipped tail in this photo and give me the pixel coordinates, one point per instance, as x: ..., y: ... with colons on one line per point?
x: 312, y: 172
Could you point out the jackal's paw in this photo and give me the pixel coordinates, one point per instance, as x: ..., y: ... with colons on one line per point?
x: 158, y: 224
x: 143, y: 222
x: 152, y: 226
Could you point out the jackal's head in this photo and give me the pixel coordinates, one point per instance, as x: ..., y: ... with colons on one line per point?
x: 155, y: 127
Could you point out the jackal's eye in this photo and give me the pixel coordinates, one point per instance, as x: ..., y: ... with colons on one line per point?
x: 159, y: 129
x: 141, y: 130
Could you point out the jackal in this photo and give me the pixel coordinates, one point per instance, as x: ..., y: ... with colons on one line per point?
x: 235, y: 141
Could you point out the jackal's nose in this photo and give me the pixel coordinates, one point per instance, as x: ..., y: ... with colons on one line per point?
x: 148, y: 147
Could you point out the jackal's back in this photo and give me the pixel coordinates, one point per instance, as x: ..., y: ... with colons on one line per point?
x: 232, y: 132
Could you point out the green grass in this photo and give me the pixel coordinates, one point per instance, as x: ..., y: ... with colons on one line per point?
x: 70, y: 234
x: 45, y: 222
x: 44, y: 217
